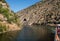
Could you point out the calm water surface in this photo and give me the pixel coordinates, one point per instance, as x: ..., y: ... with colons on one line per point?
x: 29, y: 33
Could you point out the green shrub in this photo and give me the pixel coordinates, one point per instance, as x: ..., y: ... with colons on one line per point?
x: 0, y: 5
x: 8, y: 15
x: 2, y: 28
x: 3, y: 1
x: 4, y: 10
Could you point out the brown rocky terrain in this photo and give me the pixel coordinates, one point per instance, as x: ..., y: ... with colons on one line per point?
x: 8, y: 20
x: 40, y: 13
x: 45, y: 11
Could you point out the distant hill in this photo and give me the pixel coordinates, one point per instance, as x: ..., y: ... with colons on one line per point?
x: 43, y: 12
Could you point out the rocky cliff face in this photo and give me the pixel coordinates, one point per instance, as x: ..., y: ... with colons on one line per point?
x: 46, y: 11
x: 8, y: 20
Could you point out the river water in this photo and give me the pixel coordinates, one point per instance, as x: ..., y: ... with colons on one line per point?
x: 30, y: 33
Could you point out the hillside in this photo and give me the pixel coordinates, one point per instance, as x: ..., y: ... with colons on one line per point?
x: 8, y: 19
x: 29, y: 24
x: 43, y: 12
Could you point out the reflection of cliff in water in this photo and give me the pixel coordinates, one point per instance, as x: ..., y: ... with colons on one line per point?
x: 8, y: 36
x: 30, y: 33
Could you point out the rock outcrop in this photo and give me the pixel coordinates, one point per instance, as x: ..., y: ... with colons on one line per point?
x: 8, y: 20
x: 45, y: 11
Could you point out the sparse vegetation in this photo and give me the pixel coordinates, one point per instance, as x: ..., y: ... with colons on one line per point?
x: 0, y: 5
x: 9, y: 17
x: 3, y: 1
x: 2, y: 27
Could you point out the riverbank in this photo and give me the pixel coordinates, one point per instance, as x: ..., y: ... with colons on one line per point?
x: 7, y: 27
x: 9, y: 36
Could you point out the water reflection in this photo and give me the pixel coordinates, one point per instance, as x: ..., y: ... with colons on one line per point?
x: 35, y: 33
x: 29, y: 33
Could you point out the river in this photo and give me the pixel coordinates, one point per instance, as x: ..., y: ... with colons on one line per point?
x: 29, y: 33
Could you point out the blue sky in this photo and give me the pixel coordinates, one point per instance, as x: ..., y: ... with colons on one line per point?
x: 17, y: 5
